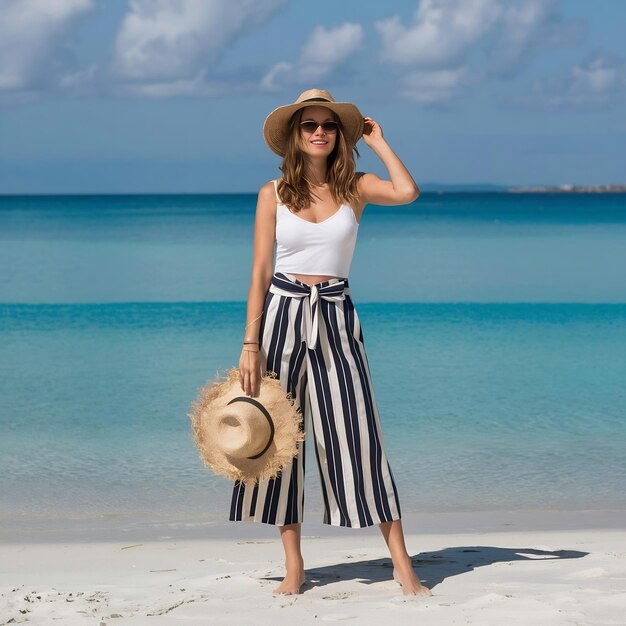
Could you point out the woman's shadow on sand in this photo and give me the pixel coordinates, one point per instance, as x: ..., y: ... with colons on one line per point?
x: 432, y: 568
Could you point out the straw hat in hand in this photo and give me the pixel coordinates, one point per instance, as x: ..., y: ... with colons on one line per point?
x: 244, y: 438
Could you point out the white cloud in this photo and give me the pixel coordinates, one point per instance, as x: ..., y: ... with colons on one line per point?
x: 598, y: 80
x: 177, y: 42
x: 433, y: 87
x: 197, y: 85
x: 525, y: 29
x: 445, y: 38
x: 77, y: 81
x: 599, y: 74
x: 323, y: 52
x: 441, y: 33
x: 33, y: 34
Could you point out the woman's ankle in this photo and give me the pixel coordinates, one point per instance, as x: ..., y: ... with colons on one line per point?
x: 295, y: 560
x: 402, y: 560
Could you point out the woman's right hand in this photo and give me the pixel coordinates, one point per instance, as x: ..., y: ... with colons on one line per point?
x: 250, y: 371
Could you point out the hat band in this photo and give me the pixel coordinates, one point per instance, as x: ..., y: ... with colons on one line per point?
x: 316, y: 100
x: 265, y: 412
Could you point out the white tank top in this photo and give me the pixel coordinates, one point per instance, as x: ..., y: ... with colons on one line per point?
x: 324, y: 248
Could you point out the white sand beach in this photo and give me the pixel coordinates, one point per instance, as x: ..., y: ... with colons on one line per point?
x: 532, y: 575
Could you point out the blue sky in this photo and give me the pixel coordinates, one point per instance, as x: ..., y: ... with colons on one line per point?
x: 171, y: 95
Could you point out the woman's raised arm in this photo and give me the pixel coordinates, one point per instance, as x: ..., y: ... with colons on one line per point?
x: 401, y: 189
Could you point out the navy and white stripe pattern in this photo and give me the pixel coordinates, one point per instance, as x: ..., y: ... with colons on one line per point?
x: 311, y: 337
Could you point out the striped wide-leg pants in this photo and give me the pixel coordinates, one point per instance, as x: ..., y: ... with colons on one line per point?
x: 311, y: 337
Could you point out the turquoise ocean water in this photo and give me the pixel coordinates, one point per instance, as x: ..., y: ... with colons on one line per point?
x: 495, y: 326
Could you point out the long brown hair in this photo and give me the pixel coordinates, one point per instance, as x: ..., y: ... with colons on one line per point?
x: 295, y: 191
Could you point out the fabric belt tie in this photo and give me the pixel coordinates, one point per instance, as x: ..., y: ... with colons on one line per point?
x: 333, y: 292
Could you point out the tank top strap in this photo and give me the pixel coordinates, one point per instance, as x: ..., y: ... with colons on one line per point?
x: 276, y: 189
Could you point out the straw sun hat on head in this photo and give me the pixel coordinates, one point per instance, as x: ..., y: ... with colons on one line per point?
x: 275, y: 128
x: 245, y: 438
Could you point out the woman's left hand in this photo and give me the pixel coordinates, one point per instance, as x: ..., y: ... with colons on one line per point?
x: 372, y: 132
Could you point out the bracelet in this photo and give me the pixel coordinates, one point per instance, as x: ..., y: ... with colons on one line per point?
x: 245, y: 342
x: 246, y: 350
x: 254, y: 320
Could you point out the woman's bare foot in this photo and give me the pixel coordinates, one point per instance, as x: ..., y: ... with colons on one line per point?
x: 411, y: 585
x: 294, y: 579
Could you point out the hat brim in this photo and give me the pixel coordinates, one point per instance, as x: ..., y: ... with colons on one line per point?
x: 275, y: 127
x: 286, y: 417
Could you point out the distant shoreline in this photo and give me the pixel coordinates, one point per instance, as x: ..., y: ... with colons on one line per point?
x: 571, y: 189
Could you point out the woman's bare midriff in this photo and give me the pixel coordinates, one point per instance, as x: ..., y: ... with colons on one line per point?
x: 311, y: 279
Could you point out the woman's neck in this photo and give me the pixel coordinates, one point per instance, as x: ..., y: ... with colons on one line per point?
x: 316, y: 176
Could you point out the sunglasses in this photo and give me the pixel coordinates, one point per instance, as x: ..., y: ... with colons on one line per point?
x: 311, y: 127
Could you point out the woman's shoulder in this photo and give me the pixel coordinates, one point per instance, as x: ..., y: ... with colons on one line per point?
x: 269, y: 187
x: 268, y: 195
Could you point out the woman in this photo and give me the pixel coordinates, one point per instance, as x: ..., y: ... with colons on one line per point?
x: 301, y: 323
